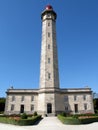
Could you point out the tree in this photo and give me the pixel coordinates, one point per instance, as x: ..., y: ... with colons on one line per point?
x: 2, y: 104
x: 95, y: 104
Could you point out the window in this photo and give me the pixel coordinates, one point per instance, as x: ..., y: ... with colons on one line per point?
x: 66, y: 108
x: 48, y: 24
x: 13, y: 98
x: 66, y: 98
x: 84, y: 97
x: 48, y: 34
x: 12, y: 107
x: 22, y: 98
x: 48, y: 60
x: 75, y: 97
x: 85, y: 106
x: 48, y: 46
x: 32, y: 107
x: 49, y: 76
x: 32, y: 98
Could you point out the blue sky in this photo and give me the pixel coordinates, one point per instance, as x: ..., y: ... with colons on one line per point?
x: 20, y: 43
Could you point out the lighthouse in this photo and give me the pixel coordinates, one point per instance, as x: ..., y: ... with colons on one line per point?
x: 49, y: 75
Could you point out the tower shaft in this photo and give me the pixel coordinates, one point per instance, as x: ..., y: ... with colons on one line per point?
x: 49, y: 75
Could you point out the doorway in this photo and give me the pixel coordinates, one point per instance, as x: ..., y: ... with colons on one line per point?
x: 76, y: 108
x: 49, y: 108
x: 22, y: 109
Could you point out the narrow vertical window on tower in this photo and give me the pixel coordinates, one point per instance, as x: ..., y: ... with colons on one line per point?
x: 48, y: 46
x: 48, y: 60
x: 49, y: 24
x: 48, y: 34
x: 49, y: 76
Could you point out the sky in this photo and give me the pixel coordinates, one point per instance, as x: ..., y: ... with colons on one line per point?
x: 20, y: 43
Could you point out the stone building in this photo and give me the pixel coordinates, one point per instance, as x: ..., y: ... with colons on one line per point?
x: 49, y: 98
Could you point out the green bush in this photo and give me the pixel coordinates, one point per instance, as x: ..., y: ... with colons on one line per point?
x: 24, y: 116
x: 29, y: 121
x: 88, y: 120
x: 7, y: 120
x: 75, y: 120
x: 68, y: 120
x: 86, y: 114
x: 35, y: 113
x: 96, y: 111
x: 75, y: 116
x: 63, y: 114
x: 22, y: 122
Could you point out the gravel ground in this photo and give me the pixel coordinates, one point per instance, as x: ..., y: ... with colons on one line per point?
x: 50, y: 123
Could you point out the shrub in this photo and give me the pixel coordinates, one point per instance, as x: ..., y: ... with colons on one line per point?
x: 7, y: 120
x: 89, y: 120
x: 86, y: 114
x: 63, y: 114
x: 75, y: 116
x: 68, y: 120
x: 35, y: 113
x: 96, y: 111
x: 75, y: 120
x: 24, y: 116
x: 30, y: 121
x: 21, y: 122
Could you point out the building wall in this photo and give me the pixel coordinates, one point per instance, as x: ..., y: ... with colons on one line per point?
x: 65, y: 103
x: 60, y: 101
x: 17, y: 102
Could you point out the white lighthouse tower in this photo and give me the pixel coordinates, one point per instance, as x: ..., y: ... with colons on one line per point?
x: 49, y: 75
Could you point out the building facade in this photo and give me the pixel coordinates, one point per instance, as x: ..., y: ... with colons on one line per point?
x: 49, y: 98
